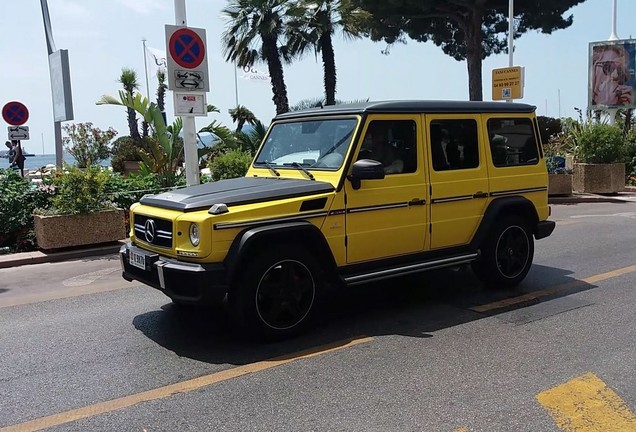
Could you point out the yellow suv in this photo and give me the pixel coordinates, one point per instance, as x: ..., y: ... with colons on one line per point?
x: 348, y: 194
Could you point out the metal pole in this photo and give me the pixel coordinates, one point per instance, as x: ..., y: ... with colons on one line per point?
x: 613, y: 36
x: 146, y: 69
x: 50, y: 46
x: 511, y: 34
x: 189, y: 126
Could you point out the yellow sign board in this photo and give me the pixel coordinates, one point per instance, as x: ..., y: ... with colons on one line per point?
x: 507, y: 83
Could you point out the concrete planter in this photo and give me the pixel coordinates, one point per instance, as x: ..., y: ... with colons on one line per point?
x: 130, y: 167
x: 62, y: 231
x: 599, y: 178
x: 560, y: 184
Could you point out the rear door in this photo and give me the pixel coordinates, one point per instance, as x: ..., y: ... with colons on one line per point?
x: 458, y: 175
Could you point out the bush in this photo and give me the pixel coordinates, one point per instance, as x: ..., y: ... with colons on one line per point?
x: 80, y: 191
x: 18, y: 201
x: 125, y: 191
x: 601, y: 143
x: 124, y: 149
x: 232, y: 164
x: 548, y: 127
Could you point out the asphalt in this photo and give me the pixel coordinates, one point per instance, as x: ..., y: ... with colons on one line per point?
x: 38, y: 257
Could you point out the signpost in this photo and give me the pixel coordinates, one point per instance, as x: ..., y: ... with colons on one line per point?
x: 15, y: 113
x: 187, y: 65
x: 18, y: 133
x: 507, y: 83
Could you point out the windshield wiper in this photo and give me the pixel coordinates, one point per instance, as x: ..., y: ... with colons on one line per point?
x: 302, y: 168
x: 270, y: 166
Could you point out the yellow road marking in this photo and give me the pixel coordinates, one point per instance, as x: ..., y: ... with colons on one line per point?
x: 173, y: 389
x: 553, y: 290
x: 586, y: 404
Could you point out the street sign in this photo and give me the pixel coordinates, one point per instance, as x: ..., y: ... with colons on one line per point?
x: 18, y: 133
x: 189, y: 80
x: 190, y: 104
x: 186, y: 48
x: 507, y: 83
x: 187, y: 60
x: 15, y: 113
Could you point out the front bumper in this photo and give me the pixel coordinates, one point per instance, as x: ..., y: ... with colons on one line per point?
x: 181, y: 281
x: 544, y: 229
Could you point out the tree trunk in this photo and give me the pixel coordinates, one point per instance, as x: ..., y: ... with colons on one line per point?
x: 132, y: 125
x: 329, y: 67
x: 272, y: 56
x: 473, y: 55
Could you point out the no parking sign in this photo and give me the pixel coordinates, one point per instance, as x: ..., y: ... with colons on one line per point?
x: 187, y: 59
x: 15, y: 113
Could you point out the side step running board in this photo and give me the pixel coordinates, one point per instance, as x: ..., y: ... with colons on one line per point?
x: 411, y: 268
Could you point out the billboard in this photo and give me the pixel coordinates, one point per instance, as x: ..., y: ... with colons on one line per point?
x: 61, y: 86
x: 611, y: 82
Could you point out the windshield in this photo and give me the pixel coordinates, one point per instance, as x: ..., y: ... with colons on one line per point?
x: 313, y: 144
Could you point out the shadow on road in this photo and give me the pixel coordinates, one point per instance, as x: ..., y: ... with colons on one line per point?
x: 414, y: 306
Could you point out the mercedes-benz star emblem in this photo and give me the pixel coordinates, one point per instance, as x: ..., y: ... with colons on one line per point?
x: 150, y: 229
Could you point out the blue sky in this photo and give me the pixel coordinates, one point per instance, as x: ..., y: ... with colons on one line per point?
x: 103, y: 36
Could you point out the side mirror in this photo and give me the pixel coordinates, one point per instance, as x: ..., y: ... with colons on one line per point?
x: 365, y: 169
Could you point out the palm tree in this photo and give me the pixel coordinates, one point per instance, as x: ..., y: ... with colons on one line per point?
x: 241, y: 115
x: 128, y: 80
x: 254, y: 30
x: 312, y: 27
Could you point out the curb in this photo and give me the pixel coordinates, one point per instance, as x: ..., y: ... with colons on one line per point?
x: 573, y: 199
x: 38, y: 257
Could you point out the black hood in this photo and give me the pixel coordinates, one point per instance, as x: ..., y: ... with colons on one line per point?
x: 237, y: 191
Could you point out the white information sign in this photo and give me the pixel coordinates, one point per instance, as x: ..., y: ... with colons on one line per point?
x: 190, y: 104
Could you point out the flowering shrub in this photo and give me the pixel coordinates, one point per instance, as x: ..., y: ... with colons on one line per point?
x: 88, y: 145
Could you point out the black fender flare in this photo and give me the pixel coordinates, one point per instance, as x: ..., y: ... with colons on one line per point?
x: 505, y: 205
x: 300, y: 232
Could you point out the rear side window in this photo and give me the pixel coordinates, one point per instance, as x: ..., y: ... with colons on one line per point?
x: 454, y: 144
x: 512, y: 142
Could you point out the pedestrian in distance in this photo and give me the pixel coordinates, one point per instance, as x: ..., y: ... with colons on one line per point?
x: 10, y: 153
x: 18, y: 157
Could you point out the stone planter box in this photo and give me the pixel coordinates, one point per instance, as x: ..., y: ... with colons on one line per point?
x: 599, y: 178
x: 130, y: 167
x: 63, y: 231
x: 560, y: 184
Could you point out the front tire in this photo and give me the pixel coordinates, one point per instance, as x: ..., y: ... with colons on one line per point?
x: 507, y: 254
x: 277, y: 294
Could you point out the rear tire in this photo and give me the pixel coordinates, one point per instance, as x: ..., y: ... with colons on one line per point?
x: 506, y: 256
x: 277, y: 293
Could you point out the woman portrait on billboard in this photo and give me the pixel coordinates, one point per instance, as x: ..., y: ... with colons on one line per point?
x: 611, y: 76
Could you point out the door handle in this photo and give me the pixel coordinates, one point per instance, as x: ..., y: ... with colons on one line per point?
x: 417, y: 201
x: 480, y: 194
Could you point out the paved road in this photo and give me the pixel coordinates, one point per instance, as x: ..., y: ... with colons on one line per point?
x: 81, y: 349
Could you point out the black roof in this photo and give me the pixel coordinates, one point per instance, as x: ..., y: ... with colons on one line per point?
x: 413, y: 106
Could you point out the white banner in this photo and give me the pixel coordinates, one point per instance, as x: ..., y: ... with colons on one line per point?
x: 157, y: 60
x: 255, y: 75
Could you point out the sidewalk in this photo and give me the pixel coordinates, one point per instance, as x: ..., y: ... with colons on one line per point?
x: 38, y: 257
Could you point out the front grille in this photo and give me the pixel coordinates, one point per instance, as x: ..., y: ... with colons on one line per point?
x: 152, y: 230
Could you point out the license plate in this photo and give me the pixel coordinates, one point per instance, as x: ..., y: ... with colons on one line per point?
x: 137, y: 260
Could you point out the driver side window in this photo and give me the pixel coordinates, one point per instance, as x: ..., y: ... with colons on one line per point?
x: 392, y: 143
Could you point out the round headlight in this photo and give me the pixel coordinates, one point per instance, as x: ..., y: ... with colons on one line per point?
x: 194, y: 234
